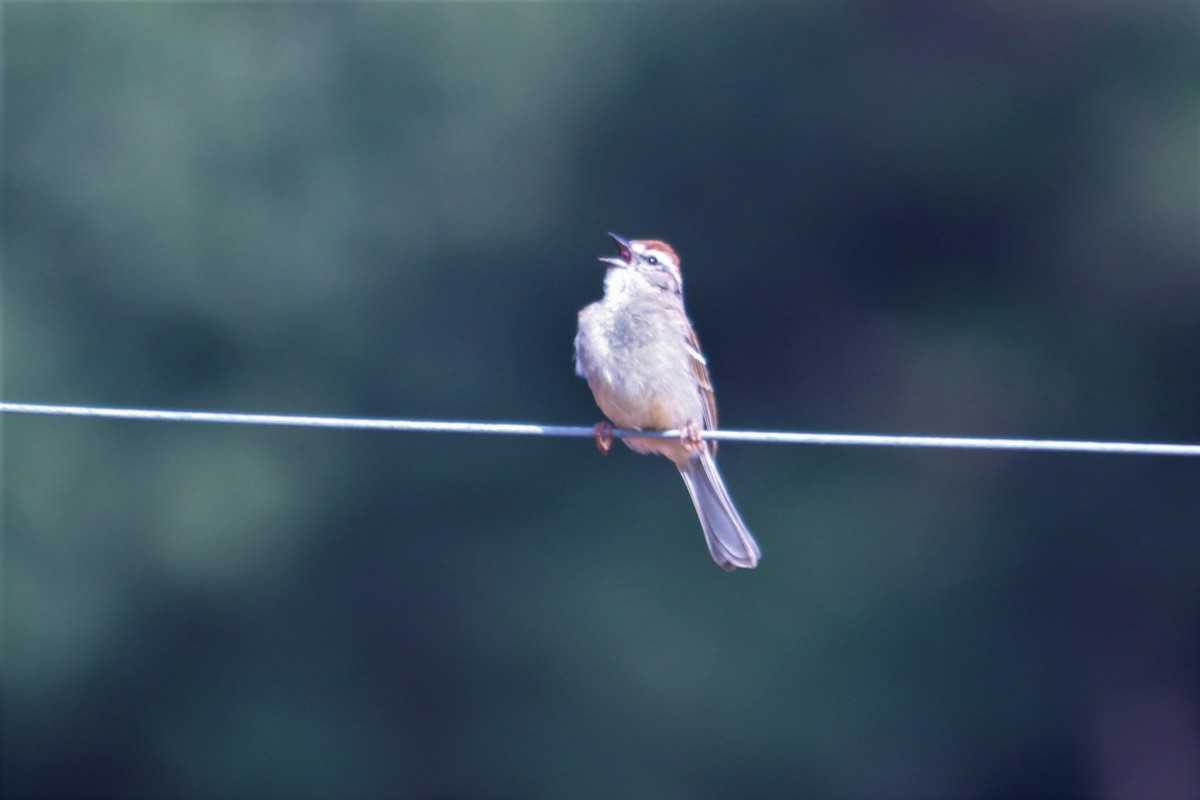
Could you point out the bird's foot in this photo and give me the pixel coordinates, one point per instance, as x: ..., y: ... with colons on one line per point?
x: 604, y: 438
x: 690, y: 436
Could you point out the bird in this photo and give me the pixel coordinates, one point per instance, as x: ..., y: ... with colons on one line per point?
x: 639, y: 354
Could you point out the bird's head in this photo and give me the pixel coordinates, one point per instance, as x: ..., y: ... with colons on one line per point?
x: 649, y: 259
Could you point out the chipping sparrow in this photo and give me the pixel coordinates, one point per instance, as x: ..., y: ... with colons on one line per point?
x: 639, y: 354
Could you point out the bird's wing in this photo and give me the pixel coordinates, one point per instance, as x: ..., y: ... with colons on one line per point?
x: 699, y: 369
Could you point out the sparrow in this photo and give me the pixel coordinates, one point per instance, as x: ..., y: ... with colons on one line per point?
x: 639, y: 354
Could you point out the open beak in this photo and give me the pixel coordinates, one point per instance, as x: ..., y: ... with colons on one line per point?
x: 623, y: 249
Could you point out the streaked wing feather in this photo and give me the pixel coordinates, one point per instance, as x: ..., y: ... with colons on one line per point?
x: 699, y: 368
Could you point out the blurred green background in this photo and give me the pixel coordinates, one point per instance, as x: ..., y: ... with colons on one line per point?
x: 929, y: 218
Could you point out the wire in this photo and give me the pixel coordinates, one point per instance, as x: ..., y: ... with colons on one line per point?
x: 517, y: 429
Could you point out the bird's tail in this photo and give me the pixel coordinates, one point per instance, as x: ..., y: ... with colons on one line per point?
x: 730, y: 543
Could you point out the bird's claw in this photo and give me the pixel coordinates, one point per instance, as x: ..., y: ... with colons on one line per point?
x: 690, y: 436
x: 604, y: 438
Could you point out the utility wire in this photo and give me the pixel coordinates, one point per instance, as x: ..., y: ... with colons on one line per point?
x: 516, y: 429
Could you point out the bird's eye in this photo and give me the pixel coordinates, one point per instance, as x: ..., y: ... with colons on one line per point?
x: 653, y: 260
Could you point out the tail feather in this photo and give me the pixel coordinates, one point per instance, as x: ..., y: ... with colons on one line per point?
x: 729, y: 541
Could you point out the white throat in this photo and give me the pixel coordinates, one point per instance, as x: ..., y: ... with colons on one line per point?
x: 618, y: 284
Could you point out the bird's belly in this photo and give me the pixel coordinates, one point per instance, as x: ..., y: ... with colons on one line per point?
x: 649, y: 395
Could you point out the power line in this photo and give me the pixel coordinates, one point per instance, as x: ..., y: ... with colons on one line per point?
x: 519, y: 429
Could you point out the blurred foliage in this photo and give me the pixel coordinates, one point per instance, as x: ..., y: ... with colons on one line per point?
x: 969, y: 218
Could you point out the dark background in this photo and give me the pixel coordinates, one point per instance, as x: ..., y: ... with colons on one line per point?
x: 929, y: 218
